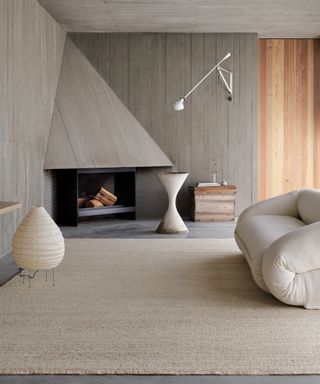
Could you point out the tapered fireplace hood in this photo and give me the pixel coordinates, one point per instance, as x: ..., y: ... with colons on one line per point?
x: 91, y: 127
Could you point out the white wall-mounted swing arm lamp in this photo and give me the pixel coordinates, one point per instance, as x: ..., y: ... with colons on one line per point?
x: 221, y: 73
x: 179, y: 104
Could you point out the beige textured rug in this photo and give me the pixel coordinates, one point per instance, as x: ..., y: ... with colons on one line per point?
x: 153, y: 307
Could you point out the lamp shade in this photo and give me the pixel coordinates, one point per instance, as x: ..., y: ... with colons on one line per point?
x: 38, y: 243
x: 179, y: 104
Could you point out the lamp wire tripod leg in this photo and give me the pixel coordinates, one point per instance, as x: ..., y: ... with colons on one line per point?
x: 53, y: 283
x: 46, y: 275
x: 28, y: 273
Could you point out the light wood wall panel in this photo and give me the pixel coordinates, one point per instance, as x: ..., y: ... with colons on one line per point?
x: 289, y: 122
x: 31, y: 46
x: 149, y: 71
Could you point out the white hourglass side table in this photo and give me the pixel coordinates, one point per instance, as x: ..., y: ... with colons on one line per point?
x: 172, y: 221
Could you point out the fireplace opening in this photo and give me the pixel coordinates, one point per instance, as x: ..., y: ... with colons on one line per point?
x: 83, y: 193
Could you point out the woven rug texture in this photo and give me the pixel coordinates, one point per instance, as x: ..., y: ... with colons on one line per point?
x: 156, y: 306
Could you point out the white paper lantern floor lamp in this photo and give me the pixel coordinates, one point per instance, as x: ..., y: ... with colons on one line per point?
x: 38, y: 244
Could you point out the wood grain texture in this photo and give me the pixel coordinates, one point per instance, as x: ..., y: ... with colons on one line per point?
x: 6, y: 206
x: 149, y: 71
x: 286, y: 18
x: 212, y: 203
x: 316, y: 141
x: 31, y: 45
x: 289, y: 119
x: 91, y: 127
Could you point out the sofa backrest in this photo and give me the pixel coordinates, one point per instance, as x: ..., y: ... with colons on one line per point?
x: 308, y: 205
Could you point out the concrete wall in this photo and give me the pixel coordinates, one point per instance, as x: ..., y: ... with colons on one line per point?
x: 31, y: 46
x: 149, y: 71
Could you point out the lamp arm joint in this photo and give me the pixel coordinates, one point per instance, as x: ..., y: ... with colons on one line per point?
x: 208, y: 74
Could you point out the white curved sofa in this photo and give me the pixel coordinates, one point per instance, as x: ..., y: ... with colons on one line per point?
x: 280, y: 238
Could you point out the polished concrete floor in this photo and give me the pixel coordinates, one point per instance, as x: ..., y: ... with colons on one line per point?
x: 182, y: 379
x: 141, y: 229
x: 146, y: 229
x: 7, y: 269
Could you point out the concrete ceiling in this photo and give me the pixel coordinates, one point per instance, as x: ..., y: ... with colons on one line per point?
x: 270, y: 18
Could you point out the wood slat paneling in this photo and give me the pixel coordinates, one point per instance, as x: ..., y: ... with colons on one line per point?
x: 289, y: 121
x: 316, y: 131
x: 149, y: 71
x: 31, y: 45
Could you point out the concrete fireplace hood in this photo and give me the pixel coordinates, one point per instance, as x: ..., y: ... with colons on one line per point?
x: 91, y: 127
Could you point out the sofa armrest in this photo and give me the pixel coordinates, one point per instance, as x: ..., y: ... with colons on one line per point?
x: 291, y: 267
x: 284, y: 205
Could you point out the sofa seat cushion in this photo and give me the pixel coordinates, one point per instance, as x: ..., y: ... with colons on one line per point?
x: 255, y: 234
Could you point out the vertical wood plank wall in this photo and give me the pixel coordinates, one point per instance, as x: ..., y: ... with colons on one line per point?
x: 149, y: 71
x: 289, y: 133
x: 31, y: 46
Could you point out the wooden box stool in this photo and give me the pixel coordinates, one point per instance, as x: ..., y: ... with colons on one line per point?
x: 212, y: 203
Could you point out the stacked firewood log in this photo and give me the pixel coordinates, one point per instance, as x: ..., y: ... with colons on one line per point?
x: 102, y: 198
